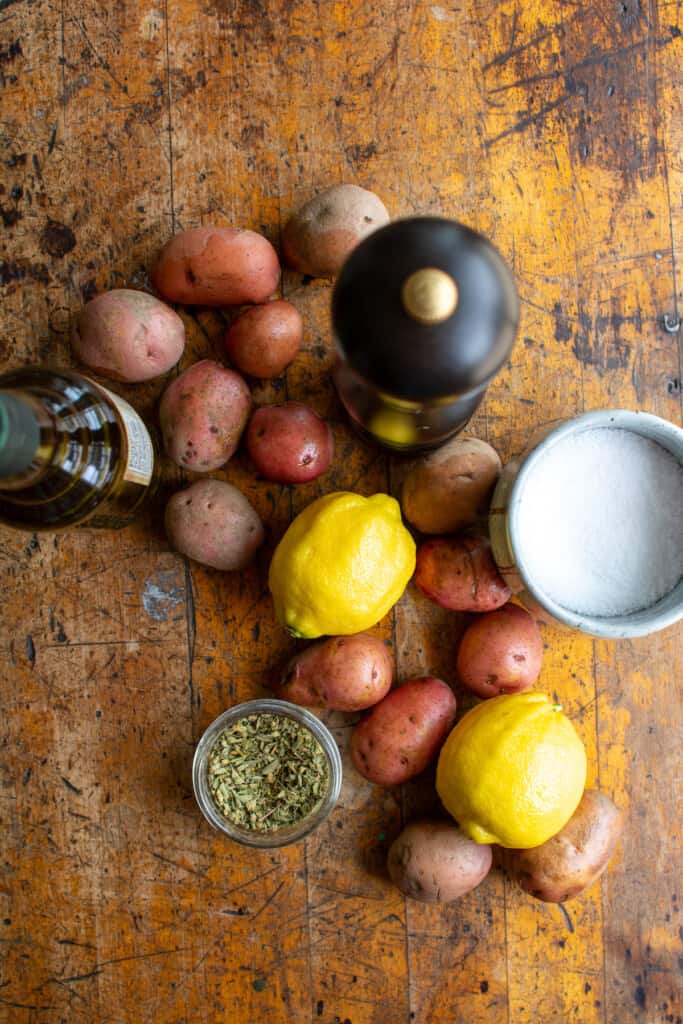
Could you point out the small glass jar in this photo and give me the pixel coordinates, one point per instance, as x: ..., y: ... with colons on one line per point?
x: 282, y: 836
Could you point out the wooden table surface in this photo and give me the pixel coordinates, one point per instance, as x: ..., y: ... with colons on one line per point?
x: 556, y: 128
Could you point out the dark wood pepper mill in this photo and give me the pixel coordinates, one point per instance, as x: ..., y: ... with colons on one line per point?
x: 424, y: 314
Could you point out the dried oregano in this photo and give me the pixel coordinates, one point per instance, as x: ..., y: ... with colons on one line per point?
x: 266, y: 771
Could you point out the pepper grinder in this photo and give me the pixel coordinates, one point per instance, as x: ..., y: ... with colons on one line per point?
x: 424, y: 314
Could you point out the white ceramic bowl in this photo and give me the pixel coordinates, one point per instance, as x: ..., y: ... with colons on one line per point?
x: 504, y: 519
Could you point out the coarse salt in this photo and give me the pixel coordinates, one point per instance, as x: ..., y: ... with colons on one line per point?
x: 600, y: 522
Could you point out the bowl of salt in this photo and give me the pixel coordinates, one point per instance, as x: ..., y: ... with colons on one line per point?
x: 587, y: 525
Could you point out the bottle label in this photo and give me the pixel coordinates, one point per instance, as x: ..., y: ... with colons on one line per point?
x: 140, y: 464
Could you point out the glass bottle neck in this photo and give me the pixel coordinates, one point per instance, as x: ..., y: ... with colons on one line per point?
x: 24, y: 428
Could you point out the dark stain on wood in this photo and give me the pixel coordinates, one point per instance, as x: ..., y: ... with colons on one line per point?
x: 10, y: 52
x: 70, y: 786
x: 57, y: 239
x: 9, y: 217
x: 21, y: 270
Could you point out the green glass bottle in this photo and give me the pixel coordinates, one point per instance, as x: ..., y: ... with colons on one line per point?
x: 71, y: 452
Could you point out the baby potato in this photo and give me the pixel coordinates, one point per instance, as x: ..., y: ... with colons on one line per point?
x: 459, y: 573
x: 203, y: 413
x: 213, y: 523
x: 434, y: 862
x: 568, y: 863
x: 264, y: 340
x: 342, y: 673
x: 213, y: 266
x: 450, y: 488
x: 318, y: 237
x: 128, y: 335
x: 403, y: 733
x: 290, y: 443
x: 500, y: 652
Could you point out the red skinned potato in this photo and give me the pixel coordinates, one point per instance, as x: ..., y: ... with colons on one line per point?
x: 203, y: 413
x: 500, y: 652
x: 402, y: 734
x: 342, y: 673
x: 447, y: 490
x: 214, y: 524
x: 128, y: 335
x: 318, y: 237
x: 214, y: 266
x: 434, y: 862
x: 264, y: 340
x: 290, y: 443
x: 459, y: 573
x: 568, y: 863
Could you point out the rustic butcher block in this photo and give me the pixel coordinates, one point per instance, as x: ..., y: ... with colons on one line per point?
x: 555, y: 129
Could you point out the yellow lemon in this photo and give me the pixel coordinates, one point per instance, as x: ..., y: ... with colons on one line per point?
x: 512, y: 771
x: 342, y: 564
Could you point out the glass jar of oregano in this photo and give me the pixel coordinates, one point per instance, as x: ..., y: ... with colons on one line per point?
x: 266, y: 773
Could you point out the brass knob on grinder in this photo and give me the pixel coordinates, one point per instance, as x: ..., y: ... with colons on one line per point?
x: 429, y: 295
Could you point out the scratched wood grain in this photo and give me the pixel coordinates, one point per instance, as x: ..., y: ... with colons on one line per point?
x: 556, y: 129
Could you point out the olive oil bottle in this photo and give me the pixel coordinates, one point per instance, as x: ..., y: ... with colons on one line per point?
x: 71, y: 452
